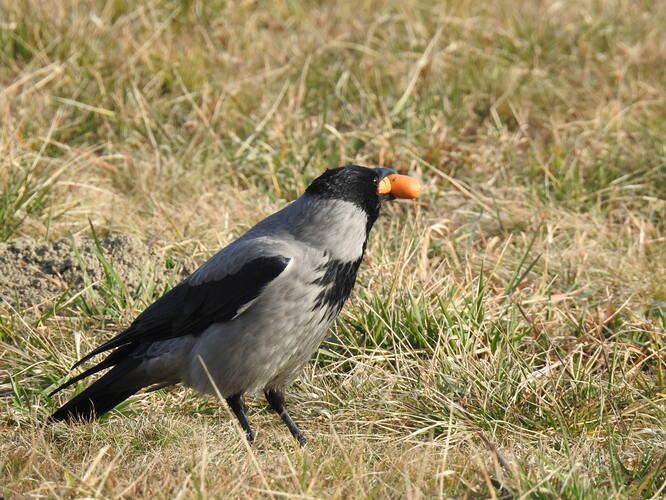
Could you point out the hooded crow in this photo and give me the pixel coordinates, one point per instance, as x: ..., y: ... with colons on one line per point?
x: 251, y: 316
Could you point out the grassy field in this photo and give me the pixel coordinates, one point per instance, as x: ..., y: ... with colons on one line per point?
x: 506, y: 335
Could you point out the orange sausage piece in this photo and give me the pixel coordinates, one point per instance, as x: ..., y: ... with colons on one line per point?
x: 400, y: 186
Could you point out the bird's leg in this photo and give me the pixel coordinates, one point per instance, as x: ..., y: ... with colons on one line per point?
x: 275, y: 398
x: 236, y: 404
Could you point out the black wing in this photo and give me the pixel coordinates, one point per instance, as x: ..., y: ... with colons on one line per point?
x: 189, y: 310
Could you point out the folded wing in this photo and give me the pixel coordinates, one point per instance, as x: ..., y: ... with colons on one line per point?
x: 189, y: 309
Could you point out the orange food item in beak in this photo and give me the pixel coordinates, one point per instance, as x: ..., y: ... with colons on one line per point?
x: 400, y: 186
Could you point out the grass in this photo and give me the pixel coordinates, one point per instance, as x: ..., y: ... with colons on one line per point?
x: 506, y: 335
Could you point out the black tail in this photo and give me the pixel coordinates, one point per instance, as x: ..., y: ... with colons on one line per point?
x: 117, y: 385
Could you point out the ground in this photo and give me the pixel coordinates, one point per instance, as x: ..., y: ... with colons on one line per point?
x: 506, y: 335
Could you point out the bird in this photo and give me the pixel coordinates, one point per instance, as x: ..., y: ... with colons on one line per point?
x: 250, y: 317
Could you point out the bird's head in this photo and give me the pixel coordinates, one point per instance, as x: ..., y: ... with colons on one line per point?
x: 365, y: 187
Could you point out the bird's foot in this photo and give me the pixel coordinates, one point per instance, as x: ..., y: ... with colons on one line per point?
x: 302, y: 440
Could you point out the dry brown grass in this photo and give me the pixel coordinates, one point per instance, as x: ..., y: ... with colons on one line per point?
x: 520, y: 348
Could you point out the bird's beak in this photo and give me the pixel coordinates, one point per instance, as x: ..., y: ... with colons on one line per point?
x: 398, y: 186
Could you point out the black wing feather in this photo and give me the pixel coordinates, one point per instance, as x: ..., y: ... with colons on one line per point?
x: 111, y: 360
x: 189, y: 310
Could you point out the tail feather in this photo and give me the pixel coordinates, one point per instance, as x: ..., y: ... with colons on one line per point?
x: 111, y: 389
x: 111, y: 360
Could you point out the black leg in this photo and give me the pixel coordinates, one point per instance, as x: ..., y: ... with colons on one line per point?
x: 236, y: 404
x: 275, y: 398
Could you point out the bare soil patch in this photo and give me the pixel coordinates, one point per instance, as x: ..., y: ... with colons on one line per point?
x: 37, y: 273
